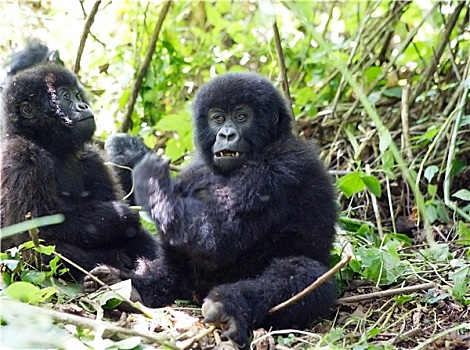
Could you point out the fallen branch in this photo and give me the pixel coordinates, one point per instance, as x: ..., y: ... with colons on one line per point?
x: 319, y: 281
x: 385, y: 293
x: 188, y: 343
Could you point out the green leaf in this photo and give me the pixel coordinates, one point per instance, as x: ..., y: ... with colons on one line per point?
x: 460, y: 282
x: 385, y: 140
x: 30, y: 224
x: 432, y: 189
x: 351, y: 183
x: 430, y: 172
x: 112, y: 298
x: 462, y: 194
x: 463, y: 232
x: 373, y: 185
x: 29, y: 293
x: 32, y: 276
x: 48, y: 250
x: 395, y: 91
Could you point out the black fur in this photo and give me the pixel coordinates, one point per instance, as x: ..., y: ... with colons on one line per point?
x: 125, y: 151
x: 245, y: 239
x: 34, y: 53
x: 49, y: 166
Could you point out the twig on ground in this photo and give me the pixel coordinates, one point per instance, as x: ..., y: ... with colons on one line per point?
x: 135, y: 305
x: 408, y: 334
x: 385, y: 293
x: 186, y: 344
x: 320, y: 280
x: 86, y: 30
x: 126, y: 124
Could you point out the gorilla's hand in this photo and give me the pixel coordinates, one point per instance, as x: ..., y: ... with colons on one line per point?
x: 151, y: 178
x: 109, y: 275
x: 106, y: 274
x: 232, y: 323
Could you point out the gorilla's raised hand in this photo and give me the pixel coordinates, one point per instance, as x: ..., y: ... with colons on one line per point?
x: 153, y: 188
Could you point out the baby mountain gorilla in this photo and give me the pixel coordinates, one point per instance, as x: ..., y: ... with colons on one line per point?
x: 248, y: 224
x: 48, y: 166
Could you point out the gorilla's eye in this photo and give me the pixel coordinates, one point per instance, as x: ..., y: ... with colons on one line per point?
x: 241, y: 117
x: 78, y: 97
x: 218, y: 118
x: 65, y: 94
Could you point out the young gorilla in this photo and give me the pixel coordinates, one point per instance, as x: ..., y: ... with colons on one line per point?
x: 34, y: 53
x: 48, y: 166
x: 248, y: 224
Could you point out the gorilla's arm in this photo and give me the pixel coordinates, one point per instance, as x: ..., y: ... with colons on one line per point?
x: 229, y: 221
x: 88, y: 223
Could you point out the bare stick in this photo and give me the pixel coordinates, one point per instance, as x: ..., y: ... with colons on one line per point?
x: 320, y: 280
x: 126, y: 124
x: 449, y: 27
x: 188, y: 343
x: 385, y: 293
x: 282, y: 67
x: 405, y: 117
x: 86, y: 29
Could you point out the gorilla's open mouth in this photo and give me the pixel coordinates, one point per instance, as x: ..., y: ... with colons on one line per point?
x: 228, y: 154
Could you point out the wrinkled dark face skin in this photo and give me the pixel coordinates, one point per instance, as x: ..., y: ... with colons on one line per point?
x: 230, y: 127
x: 73, y: 105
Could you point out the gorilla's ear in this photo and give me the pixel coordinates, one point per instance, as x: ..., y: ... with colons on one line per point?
x: 26, y: 110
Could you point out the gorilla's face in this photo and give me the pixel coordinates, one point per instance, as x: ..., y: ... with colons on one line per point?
x: 72, y: 104
x: 47, y: 104
x: 232, y: 128
x: 236, y: 116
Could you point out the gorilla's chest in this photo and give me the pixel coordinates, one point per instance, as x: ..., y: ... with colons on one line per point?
x: 70, y: 180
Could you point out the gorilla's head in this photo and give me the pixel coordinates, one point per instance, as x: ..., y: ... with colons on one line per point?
x: 237, y: 115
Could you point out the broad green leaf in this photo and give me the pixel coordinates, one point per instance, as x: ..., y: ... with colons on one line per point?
x: 460, y: 282
x: 463, y: 232
x: 462, y: 194
x: 432, y: 189
x: 112, y: 298
x: 395, y: 91
x: 32, y: 276
x: 430, y: 172
x: 351, y: 183
x: 373, y: 185
x: 29, y: 293
x: 48, y: 250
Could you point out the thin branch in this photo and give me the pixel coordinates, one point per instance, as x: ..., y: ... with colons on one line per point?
x: 126, y: 124
x: 453, y: 141
x: 405, y: 121
x: 86, y: 29
x: 282, y: 66
x: 320, y: 280
x: 385, y: 293
x: 426, y: 76
x: 188, y: 343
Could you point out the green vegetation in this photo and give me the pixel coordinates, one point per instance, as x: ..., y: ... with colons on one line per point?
x: 381, y: 86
